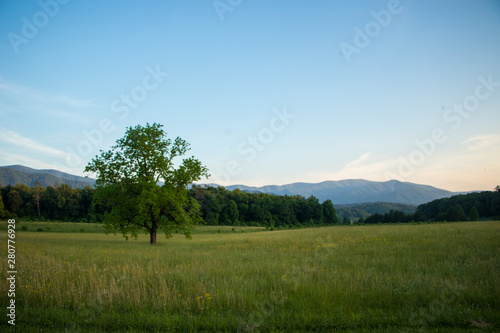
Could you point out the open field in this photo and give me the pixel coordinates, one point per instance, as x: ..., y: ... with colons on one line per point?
x: 440, y: 277
x: 70, y: 227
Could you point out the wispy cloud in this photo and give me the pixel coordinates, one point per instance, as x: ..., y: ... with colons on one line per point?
x: 13, y: 138
x: 73, y: 102
x: 357, y: 161
x: 9, y: 87
x: 30, y: 94
x: 373, y: 171
x: 12, y: 159
x: 361, y: 168
x: 482, y: 141
x: 480, y: 166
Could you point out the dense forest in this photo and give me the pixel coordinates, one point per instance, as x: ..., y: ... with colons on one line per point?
x: 58, y: 203
x: 464, y: 207
x: 220, y: 206
x: 223, y: 207
x: 354, y: 212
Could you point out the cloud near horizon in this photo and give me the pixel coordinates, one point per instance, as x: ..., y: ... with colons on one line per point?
x: 357, y: 161
x: 34, y: 95
x: 360, y: 169
x: 482, y: 141
x: 14, y: 138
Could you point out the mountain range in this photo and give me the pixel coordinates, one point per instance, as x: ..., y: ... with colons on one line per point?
x: 19, y: 174
x: 350, y: 191
x: 353, y: 191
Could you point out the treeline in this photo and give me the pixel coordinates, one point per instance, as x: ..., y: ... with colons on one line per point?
x: 354, y: 212
x: 220, y: 206
x: 465, y: 207
x: 394, y: 216
x: 58, y: 203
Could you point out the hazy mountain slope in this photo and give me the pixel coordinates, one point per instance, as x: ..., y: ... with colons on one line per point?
x: 349, y: 191
x: 18, y: 174
x: 363, y: 210
x: 357, y: 191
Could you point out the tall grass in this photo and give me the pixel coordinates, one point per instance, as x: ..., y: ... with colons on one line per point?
x: 403, y: 277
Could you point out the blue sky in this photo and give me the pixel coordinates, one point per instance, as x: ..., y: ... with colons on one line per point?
x: 266, y: 92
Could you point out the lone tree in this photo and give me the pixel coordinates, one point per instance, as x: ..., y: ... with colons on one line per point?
x: 329, y: 212
x: 473, y: 214
x: 128, y: 178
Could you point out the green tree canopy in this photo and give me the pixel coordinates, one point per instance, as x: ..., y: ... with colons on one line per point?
x: 473, y: 214
x: 329, y: 212
x: 456, y: 213
x: 3, y: 211
x: 128, y: 178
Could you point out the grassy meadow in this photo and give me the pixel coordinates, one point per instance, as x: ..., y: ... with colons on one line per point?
x: 386, y: 278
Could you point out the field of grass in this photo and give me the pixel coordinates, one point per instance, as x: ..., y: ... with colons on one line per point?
x: 69, y: 227
x: 397, y: 278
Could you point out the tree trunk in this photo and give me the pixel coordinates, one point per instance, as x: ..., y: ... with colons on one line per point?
x: 152, y: 236
x: 152, y: 232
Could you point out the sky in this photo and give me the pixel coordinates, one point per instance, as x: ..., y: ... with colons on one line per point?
x: 266, y: 92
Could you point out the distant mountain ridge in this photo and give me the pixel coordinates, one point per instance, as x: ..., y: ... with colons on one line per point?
x: 355, y: 191
x: 19, y: 174
x: 341, y: 192
x: 356, y: 211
